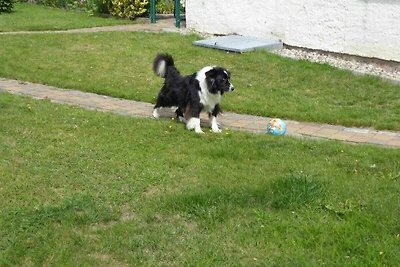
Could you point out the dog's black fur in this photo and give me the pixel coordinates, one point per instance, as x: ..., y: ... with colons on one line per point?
x: 191, y: 94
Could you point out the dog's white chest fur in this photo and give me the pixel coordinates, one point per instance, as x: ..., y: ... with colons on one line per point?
x: 207, y: 99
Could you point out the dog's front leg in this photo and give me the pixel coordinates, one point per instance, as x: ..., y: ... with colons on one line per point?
x: 213, y: 119
x: 214, y: 124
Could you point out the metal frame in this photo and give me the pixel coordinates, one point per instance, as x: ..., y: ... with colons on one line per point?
x: 152, y: 11
x: 177, y: 10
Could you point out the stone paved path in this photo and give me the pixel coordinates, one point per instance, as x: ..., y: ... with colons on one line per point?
x: 229, y: 120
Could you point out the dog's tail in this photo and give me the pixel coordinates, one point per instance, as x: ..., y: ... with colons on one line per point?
x: 163, y: 65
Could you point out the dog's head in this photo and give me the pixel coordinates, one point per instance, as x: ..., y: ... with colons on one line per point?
x: 218, y: 80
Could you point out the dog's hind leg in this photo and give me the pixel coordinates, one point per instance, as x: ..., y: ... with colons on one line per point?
x: 194, y: 123
x: 162, y: 101
x: 193, y: 119
x: 156, y: 115
x: 179, y: 115
x: 157, y: 107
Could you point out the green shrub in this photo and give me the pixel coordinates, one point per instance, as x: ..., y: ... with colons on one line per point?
x: 92, y: 7
x: 6, y: 6
x: 165, y: 6
x: 168, y: 6
x: 127, y: 8
x: 120, y: 8
x: 51, y: 3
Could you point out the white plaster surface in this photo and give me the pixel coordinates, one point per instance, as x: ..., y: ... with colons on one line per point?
x: 369, y: 28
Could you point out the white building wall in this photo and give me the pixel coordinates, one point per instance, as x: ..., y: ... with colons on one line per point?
x: 369, y: 28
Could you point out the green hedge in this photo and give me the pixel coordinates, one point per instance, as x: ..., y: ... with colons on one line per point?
x: 119, y: 8
x: 6, y: 6
x: 167, y: 6
x: 127, y: 8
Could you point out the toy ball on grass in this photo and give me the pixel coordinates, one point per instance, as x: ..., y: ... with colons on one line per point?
x: 276, y: 127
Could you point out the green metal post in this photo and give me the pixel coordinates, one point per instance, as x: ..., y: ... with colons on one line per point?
x: 153, y: 11
x: 178, y: 13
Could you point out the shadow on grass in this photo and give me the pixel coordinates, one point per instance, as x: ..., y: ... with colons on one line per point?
x: 290, y: 192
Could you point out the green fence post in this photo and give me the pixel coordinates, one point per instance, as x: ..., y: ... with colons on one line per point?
x: 153, y: 11
x: 178, y: 13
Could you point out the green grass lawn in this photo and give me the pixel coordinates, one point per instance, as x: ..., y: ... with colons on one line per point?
x: 31, y: 17
x: 92, y: 189
x: 86, y: 188
x: 119, y: 64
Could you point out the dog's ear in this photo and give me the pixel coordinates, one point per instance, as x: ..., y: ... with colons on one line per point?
x: 211, y: 75
x: 228, y: 73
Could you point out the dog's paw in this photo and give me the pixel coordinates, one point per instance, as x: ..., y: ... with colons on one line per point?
x: 155, y: 114
x: 182, y: 119
x: 215, y: 125
x: 216, y: 130
x: 198, y: 131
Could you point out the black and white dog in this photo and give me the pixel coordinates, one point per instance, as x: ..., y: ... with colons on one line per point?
x: 191, y: 94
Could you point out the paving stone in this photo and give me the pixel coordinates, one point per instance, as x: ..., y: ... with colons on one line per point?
x: 327, y: 133
x: 309, y: 129
x: 359, y: 138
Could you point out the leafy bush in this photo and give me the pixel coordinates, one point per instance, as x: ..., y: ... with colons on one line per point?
x: 119, y: 8
x: 167, y: 6
x: 52, y: 3
x: 6, y: 6
x: 92, y: 7
x: 127, y: 8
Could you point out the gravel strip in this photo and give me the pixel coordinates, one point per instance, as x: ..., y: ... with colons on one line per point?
x: 385, y: 69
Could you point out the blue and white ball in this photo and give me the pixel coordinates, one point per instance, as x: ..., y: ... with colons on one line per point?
x: 276, y: 127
